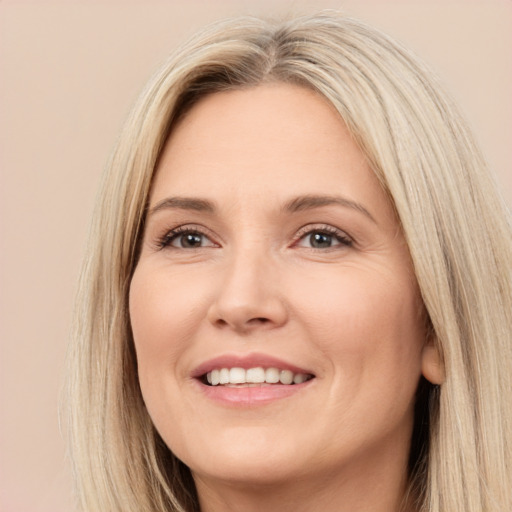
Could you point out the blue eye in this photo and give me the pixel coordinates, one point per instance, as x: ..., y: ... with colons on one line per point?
x: 324, y: 238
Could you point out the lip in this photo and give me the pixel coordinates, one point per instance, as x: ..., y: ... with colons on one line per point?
x: 248, y: 396
x: 246, y: 361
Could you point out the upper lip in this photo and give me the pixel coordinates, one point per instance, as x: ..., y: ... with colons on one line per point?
x: 246, y: 361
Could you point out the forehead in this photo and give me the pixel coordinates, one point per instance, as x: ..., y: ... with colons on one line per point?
x: 273, y: 140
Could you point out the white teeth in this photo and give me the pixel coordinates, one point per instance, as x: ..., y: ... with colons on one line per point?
x: 236, y: 376
x: 272, y: 375
x: 286, y: 377
x: 257, y: 375
x: 224, y: 376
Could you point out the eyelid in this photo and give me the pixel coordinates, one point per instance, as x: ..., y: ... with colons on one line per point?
x: 326, y: 228
x: 164, y: 240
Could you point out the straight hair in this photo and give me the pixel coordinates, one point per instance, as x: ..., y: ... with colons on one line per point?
x: 456, y: 225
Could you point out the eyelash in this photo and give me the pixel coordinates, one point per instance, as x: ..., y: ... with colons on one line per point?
x: 169, y: 237
x: 344, y: 240
x: 324, y: 229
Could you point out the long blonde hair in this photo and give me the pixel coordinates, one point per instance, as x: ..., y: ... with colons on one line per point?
x: 457, y: 228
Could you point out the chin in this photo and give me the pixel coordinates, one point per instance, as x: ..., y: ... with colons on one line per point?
x: 246, y: 457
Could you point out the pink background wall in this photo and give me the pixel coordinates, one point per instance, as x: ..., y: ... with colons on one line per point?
x: 69, y: 71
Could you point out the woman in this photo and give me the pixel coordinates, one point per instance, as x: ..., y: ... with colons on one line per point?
x: 298, y: 288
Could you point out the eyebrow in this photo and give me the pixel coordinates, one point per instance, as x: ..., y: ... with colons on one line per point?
x: 297, y: 204
x: 309, y: 202
x: 183, y: 203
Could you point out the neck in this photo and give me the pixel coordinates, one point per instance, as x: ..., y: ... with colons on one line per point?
x: 364, y: 489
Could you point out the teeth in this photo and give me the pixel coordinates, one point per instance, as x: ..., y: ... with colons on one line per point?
x: 286, y: 377
x: 299, y: 378
x: 255, y: 375
x: 258, y: 375
x: 272, y: 375
x: 224, y: 376
x: 236, y: 376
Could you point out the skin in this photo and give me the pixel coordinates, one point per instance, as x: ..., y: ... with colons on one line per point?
x: 350, y: 312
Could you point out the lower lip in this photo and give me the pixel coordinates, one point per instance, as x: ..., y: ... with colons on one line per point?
x: 254, y: 395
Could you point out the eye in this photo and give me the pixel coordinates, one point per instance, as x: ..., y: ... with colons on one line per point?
x: 189, y: 240
x: 185, y: 238
x: 326, y: 237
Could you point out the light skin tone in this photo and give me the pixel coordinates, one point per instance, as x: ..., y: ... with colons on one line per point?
x: 269, y: 236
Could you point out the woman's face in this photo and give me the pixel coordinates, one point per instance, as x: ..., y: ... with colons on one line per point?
x: 272, y: 252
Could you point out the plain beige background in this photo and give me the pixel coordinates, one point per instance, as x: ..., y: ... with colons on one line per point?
x: 69, y: 72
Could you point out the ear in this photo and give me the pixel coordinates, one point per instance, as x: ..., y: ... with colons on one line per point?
x: 432, y: 366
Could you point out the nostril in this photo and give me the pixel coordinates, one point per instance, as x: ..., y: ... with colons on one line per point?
x: 260, y: 320
x: 244, y: 326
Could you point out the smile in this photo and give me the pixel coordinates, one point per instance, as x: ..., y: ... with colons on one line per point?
x: 254, y: 376
x: 249, y: 380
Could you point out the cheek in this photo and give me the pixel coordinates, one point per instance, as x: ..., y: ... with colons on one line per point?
x: 370, y: 326
x: 165, y: 311
x: 164, y: 308
x: 164, y: 314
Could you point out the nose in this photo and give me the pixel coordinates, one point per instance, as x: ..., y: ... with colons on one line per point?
x: 249, y: 296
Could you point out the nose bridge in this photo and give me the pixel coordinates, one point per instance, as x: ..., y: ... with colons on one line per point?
x: 248, y: 294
